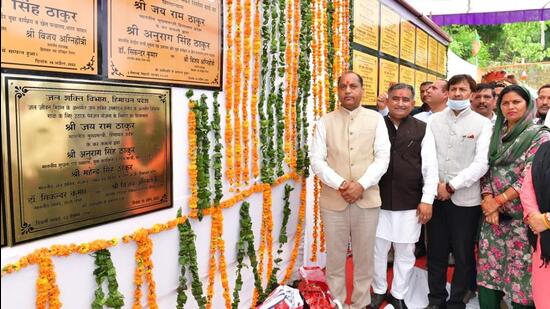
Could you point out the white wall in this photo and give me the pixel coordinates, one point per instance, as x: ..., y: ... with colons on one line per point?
x: 75, y: 273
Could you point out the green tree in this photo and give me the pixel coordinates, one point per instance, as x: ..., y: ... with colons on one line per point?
x: 501, y: 44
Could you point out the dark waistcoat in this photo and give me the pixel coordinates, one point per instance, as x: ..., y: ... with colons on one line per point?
x: 401, y: 186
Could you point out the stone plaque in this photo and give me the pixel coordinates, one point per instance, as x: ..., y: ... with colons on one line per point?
x: 83, y: 153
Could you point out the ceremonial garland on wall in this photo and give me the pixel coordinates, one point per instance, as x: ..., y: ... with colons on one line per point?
x: 144, y: 264
x: 246, y: 99
x: 105, y: 270
x: 280, y: 68
x: 237, y: 99
x: 350, y: 37
x: 245, y: 247
x: 229, y: 171
x: 217, y: 158
x: 264, y: 122
x: 283, y: 239
x: 299, y: 232
x: 188, y: 260
x: 304, y: 83
x: 330, y: 55
x: 192, y: 151
x: 255, y: 88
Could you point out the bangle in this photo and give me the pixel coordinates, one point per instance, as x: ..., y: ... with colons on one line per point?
x: 546, y: 220
x: 505, y: 196
x: 500, y: 200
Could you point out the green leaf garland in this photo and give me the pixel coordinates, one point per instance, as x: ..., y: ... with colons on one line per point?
x: 215, y: 125
x: 283, y: 239
x: 188, y: 259
x: 245, y: 247
x: 105, y: 270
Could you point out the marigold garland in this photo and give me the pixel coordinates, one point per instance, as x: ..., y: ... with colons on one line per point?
x: 246, y: 98
x: 257, y: 45
x: 288, y: 80
x: 316, y: 215
x: 222, y: 266
x: 329, y: 39
x: 229, y: 172
x: 144, y: 265
x: 192, y: 151
x: 237, y: 99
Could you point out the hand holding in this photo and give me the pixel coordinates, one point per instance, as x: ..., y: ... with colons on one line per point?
x: 442, y: 193
x: 353, y: 192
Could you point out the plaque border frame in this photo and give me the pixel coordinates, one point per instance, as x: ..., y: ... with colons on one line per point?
x: 8, y: 181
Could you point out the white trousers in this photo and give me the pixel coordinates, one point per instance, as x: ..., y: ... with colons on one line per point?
x: 403, y: 264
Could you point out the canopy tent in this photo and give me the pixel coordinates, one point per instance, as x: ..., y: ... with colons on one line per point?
x: 482, y: 12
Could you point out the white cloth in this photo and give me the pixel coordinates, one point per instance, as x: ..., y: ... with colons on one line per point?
x: 462, y: 143
x: 547, y: 121
x: 403, y: 265
x: 424, y: 116
x: 398, y: 226
x: 430, y: 173
x: 385, y: 111
x: 494, y: 119
x: 374, y: 172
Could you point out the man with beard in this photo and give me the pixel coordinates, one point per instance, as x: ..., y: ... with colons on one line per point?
x: 484, y: 101
x: 543, y: 103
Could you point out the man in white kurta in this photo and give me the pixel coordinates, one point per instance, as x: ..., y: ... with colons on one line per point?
x: 407, y: 189
x: 349, y: 153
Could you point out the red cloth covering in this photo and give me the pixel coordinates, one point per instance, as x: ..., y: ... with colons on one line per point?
x: 314, y: 288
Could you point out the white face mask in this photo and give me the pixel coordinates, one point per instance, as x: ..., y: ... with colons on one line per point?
x: 458, y: 105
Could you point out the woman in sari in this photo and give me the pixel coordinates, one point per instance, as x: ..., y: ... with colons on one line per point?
x: 504, y: 265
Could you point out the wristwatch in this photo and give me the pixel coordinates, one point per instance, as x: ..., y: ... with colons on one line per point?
x: 449, y: 188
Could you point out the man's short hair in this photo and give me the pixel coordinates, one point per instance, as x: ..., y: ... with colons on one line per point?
x: 426, y: 83
x: 401, y: 86
x: 483, y: 86
x: 543, y: 87
x: 462, y: 78
x: 351, y: 72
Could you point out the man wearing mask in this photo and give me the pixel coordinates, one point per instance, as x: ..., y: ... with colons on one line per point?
x: 462, y: 139
x: 408, y: 189
x: 484, y: 101
x: 436, y: 98
x: 543, y: 103
x: 350, y: 152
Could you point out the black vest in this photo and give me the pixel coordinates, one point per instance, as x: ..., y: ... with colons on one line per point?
x: 401, y: 186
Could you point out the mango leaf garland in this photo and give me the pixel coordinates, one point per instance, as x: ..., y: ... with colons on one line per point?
x: 283, y: 238
x: 188, y: 259
x: 105, y: 270
x: 245, y: 247
x: 215, y: 126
